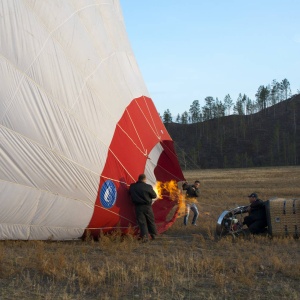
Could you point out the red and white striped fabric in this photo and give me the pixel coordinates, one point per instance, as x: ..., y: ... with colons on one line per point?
x: 77, y: 125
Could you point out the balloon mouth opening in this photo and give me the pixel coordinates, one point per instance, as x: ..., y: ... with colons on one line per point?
x: 169, y: 220
x: 169, y: 204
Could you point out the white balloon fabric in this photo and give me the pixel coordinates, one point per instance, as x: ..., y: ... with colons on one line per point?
x: 77, y: 124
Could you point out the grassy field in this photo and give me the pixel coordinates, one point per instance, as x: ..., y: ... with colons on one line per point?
x: 183, y: 263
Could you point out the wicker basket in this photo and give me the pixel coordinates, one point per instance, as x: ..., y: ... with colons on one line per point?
x: 283, y: 217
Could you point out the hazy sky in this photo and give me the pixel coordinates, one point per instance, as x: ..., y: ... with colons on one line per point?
x: 188, y: 50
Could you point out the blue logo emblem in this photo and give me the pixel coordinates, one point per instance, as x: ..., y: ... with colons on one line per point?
x: 108, y: 194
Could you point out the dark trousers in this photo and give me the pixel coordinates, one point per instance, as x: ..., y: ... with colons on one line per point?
x: 146, y: 221
x: 255, y: 226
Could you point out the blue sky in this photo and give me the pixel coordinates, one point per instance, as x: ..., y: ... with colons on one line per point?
x: 188, y: 50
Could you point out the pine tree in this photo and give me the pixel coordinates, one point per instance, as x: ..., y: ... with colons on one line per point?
x: 286, y: 89
x: 262, y: 97
x: 228, y: 103
x: 238, y: 108
x: 167, y: 116
x: 209, y: 107
x: 195, y: 111
x: 184, y: 118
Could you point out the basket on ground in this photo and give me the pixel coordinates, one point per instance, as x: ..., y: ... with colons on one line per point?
x: 283, y: 217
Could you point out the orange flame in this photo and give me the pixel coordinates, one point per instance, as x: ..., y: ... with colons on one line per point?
x: 170, y: 189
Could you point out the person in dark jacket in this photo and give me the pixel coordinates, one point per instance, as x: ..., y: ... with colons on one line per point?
x: 192, y: 193
x: 257, y: 219
x: 142, y: 195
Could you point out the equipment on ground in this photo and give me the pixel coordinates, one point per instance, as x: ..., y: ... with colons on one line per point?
x: 283, y: 219
x: 230, y: 222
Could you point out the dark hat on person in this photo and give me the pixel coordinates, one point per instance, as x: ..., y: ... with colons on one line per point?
x: 254, y: 195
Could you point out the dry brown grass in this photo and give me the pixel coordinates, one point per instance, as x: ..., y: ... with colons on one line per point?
x: 184, y: 263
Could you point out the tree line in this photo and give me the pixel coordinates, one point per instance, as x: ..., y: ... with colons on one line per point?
x: 265, y: 96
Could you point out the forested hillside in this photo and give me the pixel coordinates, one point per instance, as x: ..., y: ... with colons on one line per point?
x: 270, y: 137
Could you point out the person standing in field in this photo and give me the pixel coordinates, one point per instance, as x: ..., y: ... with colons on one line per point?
x: 192, y: 194
x: 142, y: 195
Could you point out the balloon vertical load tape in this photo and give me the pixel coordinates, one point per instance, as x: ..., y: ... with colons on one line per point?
x: 283, y: 217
